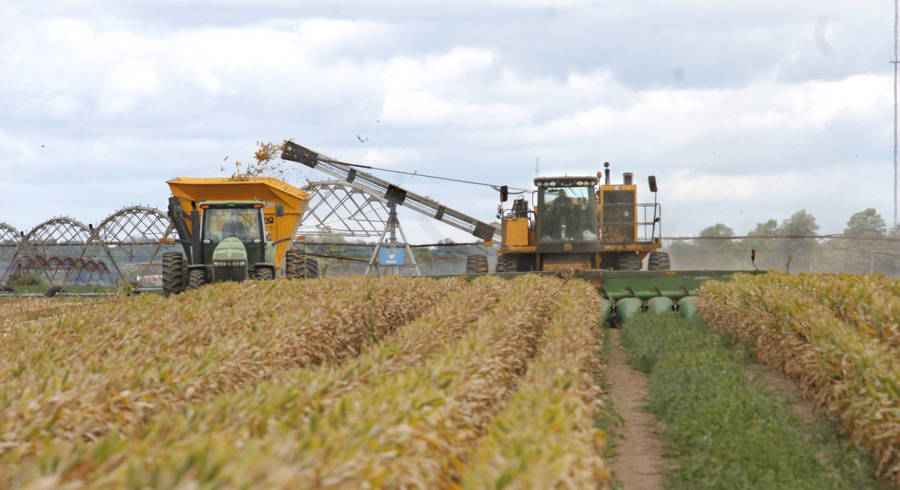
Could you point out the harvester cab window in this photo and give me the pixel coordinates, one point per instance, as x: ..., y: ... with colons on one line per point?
x: 567, y: 214
x: 241, y: 223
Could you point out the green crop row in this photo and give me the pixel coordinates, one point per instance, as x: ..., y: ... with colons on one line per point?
x: 823, y: 331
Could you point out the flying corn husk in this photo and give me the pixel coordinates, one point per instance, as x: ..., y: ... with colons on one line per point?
x: 824, y: 331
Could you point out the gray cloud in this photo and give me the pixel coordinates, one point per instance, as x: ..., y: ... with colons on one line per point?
x: 103, y: 101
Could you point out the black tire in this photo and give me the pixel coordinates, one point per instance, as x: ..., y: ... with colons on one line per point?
x: 658, y: 261
x: 196, y: 278
x: 476, y: 264
x: 172, y: 273
x: 507, y: 263
x: 299, y: 266
x: 263, y: 274
x: 628, y: 262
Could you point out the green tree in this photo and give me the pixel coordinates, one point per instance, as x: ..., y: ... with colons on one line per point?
x: 866, y: 224
x: 718, y: 253
x: 768, y: 228
x: 800, y: 223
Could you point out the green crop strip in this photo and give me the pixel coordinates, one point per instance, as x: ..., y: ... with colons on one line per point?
x: 724, y: 430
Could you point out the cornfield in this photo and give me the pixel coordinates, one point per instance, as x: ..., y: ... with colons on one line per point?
x: 348, y: 382
x: 839, y: 335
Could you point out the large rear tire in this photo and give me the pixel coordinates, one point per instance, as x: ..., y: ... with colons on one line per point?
x: 507, y: 263
x: 628, y: 262
x: 299, y: 266
x: 658, y: 261
x: 172, y: 273
x: 196, y: 278
x: 476, y: 264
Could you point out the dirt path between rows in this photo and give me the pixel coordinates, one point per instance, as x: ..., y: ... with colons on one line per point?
x: 638, y: 463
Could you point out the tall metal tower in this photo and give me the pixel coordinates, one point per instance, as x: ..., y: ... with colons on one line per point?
x: 894, y: 62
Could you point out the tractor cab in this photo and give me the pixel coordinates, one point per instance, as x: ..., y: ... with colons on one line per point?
x: 232, y: 237
x: 566, y: 213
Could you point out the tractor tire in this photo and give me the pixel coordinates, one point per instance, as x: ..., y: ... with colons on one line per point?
x: 196, y: 278
x: 658, y: 261
x: 507, y: 263
x: 628, y: 262
x: 476, y: 264
x: 299, y: 266
x: 173, y: 267
x: 263, y: 274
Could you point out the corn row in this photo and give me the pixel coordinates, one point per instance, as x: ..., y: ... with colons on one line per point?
x: 376, y: 438
x: 545, y: 436
x: 868, y: 302
x: 846, y: 371
x: 79, y: 376
x: 408, y: 425
x: 19, y: 310
x: 279, y: 400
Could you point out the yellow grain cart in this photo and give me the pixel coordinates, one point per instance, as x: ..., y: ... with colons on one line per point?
x: 234, y: 229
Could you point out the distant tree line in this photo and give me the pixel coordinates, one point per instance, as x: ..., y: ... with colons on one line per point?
x: 850, y: 254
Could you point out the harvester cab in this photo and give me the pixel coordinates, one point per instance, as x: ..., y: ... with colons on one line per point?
x: 233, y: 230
x: 582, y: 223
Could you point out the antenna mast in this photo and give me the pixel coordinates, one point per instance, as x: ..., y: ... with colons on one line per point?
x: 894, y: 62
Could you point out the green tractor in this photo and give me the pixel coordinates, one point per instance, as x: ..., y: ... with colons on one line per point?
x: 236, y: 239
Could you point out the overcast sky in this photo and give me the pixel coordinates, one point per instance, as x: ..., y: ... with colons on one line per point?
x: 746, y: 111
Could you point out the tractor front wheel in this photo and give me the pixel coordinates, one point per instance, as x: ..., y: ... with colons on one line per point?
x: 263, y: 274
x: 196, y: 278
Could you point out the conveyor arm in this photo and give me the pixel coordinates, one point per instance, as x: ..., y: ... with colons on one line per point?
x: 373, y: 185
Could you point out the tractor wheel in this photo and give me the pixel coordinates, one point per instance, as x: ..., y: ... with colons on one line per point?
x: 507, y: 263
x: 628, y: 262
x: 299, y: 266
x: 658, y: 261
x: 196, y: 278
x: 263, y: 274
x: 476, y: 264
x: 172, y: 273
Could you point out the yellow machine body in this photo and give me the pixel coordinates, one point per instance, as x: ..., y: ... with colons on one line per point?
x: 271, y: 191
x: 616, y: 234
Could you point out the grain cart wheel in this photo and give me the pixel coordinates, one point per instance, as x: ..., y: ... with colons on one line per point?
x: 658, y: 261
x: 476, y: 264
x: 299, y: 266
x: 507, y: 263
x: 628, y: 262
x: 172, y: 273
x: 263, y: 274
x: 196, y: 278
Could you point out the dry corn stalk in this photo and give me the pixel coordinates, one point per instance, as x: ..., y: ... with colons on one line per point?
x: 545, y: 436
x: 246, y: 411
x: 80, y: 375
